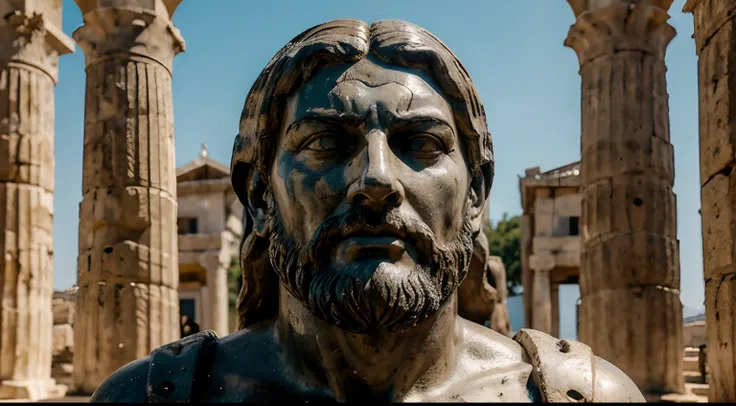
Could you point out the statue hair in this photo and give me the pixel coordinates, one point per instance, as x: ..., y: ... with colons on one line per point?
x: 336, y: 42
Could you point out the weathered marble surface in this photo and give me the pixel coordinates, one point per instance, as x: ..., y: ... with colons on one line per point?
x: 31, y: 42
x: 630, y: 311
x: 715, y: 28
x: 127, y: 265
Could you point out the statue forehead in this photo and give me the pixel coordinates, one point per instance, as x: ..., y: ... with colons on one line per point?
x: 370, y: 81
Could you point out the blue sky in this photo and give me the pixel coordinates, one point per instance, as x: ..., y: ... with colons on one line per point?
x: 513, y: 50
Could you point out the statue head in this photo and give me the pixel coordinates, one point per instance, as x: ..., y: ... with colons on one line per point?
x: 363, y: 162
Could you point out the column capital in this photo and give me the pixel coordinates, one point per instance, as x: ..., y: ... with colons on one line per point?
x: 708, y: 18
x: 609, y: 26
x: 30, y: 37
x: 542, y: 262
x: 129, y: 31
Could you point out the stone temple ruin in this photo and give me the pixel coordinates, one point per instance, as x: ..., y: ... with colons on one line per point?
x: 610, y: 227
x: 209, y: 229
x: 550, y: 242
x: 210, y: 226
x: 551, y: 254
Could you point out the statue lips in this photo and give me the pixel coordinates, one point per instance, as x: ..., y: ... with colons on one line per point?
x: 359, y: 235
x: 373, y: 243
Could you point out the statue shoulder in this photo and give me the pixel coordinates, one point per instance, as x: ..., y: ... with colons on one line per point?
x: 127, y: 384
x: 167, y: 375
x: 567, y: 371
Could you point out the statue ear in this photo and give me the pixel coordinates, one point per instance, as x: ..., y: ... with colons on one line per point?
x: 257, y: 202
x: 480, y: 187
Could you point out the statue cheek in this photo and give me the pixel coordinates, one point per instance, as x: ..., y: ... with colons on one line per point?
x: 312, y: 201
x: 448, y: 197
x: 330, y: 190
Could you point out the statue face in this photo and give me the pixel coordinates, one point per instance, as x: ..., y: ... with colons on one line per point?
x: 370, y: 187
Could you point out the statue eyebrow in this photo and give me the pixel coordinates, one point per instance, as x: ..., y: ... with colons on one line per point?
x: 328, y: 116
x: 401, y: 119
x: 407, y: 119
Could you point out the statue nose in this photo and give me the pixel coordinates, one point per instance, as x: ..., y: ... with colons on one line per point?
x: 377, y: 187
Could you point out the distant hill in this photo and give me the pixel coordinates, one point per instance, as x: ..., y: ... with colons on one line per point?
x: 689, y: 312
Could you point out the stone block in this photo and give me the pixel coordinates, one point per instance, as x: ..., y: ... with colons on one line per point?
x: 200, y: 242
x: 720, y: 304
x: 718, y: 215
x: 634, y: 152
x: 556, y: 244
x: 632, y: 259
x: 694, y: 334
x: 63, y: 341
x: 152, y: 6
x: 708, y: 17
x: 127, y: 262
x: 63, y: 311
x: 127, y: 95
x: 544, y: 205
x: 62, y: 372
x: 543, y: 217
x: 26, y: 215
x: 630, y: 204
x: 639, y: 330
x: 569, y: 205
x: 31, y: 390
x: 132, y: 210
x: 717, y: 98
x: 126, y: 321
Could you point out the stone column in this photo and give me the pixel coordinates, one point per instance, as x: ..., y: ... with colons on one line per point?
x: 127, y: 302
x: 218, y: 294
x: 631, y: 314
x: 205, y: 318
x: 541, y: 266
x: 555, y: 308
x: 715, y: 29
x: 526, y: 278
x: 577, y: 319
x: 31, y: 42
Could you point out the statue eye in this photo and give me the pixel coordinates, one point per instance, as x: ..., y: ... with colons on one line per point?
x: 425, y: 144
x: 324, y: 143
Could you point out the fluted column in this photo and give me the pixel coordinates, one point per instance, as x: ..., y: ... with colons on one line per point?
x: 715, y: 30
x: 31, y: 42
x: 631, y: 314
x: 127, y: 265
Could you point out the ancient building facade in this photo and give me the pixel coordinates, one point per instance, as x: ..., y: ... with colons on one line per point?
x: 127, y: 263
x: 550, y: 241
x: 31, y: 42
x: 210, y: 225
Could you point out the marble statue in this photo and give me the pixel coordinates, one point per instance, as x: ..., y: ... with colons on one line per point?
x: 363, y: 162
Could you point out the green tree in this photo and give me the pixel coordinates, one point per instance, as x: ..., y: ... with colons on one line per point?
x: 504, y: 240
x: 234, y: 283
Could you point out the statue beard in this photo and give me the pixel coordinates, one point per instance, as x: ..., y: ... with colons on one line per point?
x: 369, y: 295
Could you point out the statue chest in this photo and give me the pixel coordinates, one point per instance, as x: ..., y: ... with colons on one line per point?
x: 503, y: 385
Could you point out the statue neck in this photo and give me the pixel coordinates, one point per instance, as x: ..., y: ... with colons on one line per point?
x: 381, y: 366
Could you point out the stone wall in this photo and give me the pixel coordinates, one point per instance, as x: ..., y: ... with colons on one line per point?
x: 63, y: 336
x: 693, y: 333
